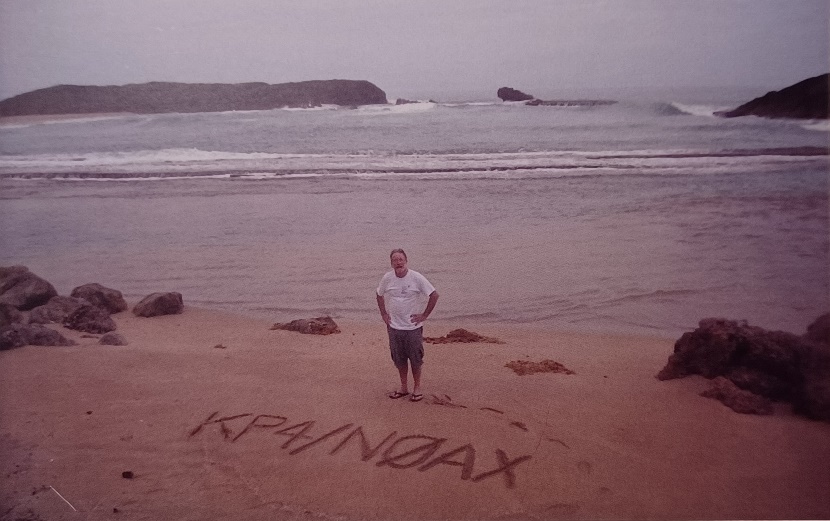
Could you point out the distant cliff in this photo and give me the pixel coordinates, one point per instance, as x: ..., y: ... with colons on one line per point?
x: 159, y: 97
x: 807, y: 99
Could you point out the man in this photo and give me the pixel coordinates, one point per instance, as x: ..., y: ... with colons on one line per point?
x: 400, y: 296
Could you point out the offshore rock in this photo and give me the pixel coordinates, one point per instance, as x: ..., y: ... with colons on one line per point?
x: 510, y: 94
x: 105, y: 298
x: 806, y: 99
x: 90, y: 319
x: 162, y: 97
x: 158, y: 304
x: 311, y: 326
x: 23, y: 289
x: 56, y: 310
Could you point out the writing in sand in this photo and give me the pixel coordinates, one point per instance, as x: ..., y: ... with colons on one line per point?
x: 415, y: 451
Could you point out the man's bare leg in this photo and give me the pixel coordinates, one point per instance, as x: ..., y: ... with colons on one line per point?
x: 403, y: 371
x: 416, y: 379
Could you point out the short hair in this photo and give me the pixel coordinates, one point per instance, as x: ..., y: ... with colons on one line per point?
x: 398, y: 250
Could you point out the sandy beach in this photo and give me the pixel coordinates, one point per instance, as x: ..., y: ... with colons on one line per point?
x: 209, y: 415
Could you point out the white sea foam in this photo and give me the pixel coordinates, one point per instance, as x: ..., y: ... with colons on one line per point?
x: 698, y: 110
x: 821, y: 125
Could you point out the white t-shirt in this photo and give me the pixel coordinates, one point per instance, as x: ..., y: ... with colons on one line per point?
x: 404, y: 296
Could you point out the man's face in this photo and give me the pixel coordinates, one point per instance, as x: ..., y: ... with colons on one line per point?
x: 399, y: 264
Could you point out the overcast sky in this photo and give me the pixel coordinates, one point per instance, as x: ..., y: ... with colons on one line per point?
x: 415, y: 47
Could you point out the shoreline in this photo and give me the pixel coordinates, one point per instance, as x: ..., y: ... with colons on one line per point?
x: 280, y: 425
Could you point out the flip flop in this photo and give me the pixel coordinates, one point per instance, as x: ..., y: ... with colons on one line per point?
x: 397, y: 394
x: 416, y: 397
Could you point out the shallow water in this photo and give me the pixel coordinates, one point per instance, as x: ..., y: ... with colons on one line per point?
x: 627, y: 219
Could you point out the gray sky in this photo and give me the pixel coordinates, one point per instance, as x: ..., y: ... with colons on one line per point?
x: 426, y: 48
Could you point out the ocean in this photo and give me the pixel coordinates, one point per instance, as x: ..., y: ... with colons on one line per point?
x: 640, y: 217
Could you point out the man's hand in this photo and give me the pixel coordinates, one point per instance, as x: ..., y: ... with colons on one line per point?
x: 417, y: 318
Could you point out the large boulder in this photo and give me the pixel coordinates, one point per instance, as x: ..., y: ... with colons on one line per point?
x: 774, y: 364
x: 19, y: 335
x: 101, y: 296
x: 510, y: 94
x: 90, y: 319
x: 56, y: 310
x: 310, y: 326
x: 23, y: 289
x: 157, y: 304
x: 10, y: 315
x: 819, y: 330
x: 736, y: 398
x: 113, y: 339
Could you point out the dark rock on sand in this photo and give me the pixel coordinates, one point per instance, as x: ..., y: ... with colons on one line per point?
x: 19, y: 335
x: 163, y: 97
x: 101, y: 296
x: 311, y: 326
x: 23, y: 289
x: 819, y: 330
x: 90, y: 319
x: 736, y: 398
x: 10, y: 315
x: 774, y: 364
x: 806, y: 99
x: 157, y: 304
x: 113, y: 339
x: 510, y: 94
x: 56, y: 310
x: 461, y: 336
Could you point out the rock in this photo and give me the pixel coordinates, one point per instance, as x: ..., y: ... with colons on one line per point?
x: 113, y: 339
x: 12, y: 336
x: 760, y: 383
x: 461, y: 336
x: 804, y: 100
x: 773, y: 364
x: 737, y: 399
x: 706, y: 351
x: 510, y: 94
x: 18, y: 335
x: 10, y: 315
x: 819, y: 330
x: 813, y: 398
x: 56, y: 310
x: 90, y: 319
x: 109, y: 299
x: 311, y: 326
x: 23, y: 289
x: 157, y: 304
x: 163, y: 97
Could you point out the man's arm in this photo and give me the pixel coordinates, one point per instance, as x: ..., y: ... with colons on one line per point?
x: 382, y: 307
x: 420, y: 317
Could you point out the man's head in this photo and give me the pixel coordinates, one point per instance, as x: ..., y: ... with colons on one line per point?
x: 399, y: 261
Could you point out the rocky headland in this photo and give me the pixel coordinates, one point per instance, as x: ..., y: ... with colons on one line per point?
x: 511, y: 94
x: 808, y: 99
x: 164, y: 97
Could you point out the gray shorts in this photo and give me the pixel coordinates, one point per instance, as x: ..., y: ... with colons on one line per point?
x: 406, y: 345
